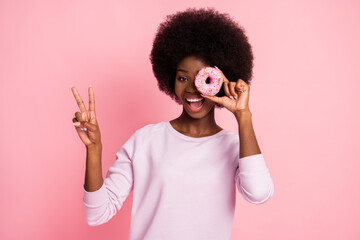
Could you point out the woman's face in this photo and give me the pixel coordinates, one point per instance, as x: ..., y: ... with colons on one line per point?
x: 185, y: 88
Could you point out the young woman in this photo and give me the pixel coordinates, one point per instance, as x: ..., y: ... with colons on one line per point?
x: 183, y: 172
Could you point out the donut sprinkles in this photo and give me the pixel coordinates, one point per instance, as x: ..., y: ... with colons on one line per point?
x: 215, y: 81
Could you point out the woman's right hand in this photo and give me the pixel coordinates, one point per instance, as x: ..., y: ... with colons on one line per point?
x: 85, y: 121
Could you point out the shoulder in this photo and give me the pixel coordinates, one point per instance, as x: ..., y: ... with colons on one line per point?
x: 150, y: 128
x: 230, y: 136
x: 145, y: 132
x: 142, y: 135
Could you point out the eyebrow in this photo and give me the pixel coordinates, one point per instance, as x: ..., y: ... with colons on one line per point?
x: 181, y: 70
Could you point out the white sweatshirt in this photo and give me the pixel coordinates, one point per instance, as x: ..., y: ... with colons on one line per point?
x: 184, y: 187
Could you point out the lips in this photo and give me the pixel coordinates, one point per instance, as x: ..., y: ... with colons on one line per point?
x: 195, y: 103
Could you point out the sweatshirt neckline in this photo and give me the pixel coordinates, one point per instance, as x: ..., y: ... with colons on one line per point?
x: 188, y: 138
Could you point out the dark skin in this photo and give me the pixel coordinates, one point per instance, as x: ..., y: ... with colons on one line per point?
x: 202, y: 123
x: 193, y: 123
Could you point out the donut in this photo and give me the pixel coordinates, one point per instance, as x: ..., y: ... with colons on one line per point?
x: 215, y: 81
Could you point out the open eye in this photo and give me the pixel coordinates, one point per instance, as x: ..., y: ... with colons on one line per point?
x: 182, y: 79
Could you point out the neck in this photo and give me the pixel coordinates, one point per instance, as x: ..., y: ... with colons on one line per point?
x: 197, y: 126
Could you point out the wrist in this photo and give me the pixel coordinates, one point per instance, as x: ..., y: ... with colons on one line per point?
x: 94, y: 147
x: 243, y: 113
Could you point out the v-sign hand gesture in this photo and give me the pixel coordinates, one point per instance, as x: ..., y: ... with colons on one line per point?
x: 85, y: 121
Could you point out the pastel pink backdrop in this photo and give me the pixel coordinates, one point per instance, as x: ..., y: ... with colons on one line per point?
x: 304, y: 100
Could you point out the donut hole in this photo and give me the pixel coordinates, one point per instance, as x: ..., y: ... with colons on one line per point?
x: 208, y: 80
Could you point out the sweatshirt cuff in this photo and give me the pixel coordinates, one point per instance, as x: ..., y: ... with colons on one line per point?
x: 95, y: 198
x: 252, y: 163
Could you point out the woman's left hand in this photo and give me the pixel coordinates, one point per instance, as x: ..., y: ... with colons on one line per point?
x: 237, y: 95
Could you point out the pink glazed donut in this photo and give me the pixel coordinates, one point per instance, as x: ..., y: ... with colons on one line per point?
x: 215, y: 81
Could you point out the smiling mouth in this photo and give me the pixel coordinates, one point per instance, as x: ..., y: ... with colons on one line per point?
x: 195, y: 106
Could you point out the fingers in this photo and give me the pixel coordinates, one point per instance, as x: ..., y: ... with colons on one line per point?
x: 91, y: 127
x: 85, y: 126
x: 80, y: 126
x: 79, y: 120
x: 78, y: 99
x: 226, y: 90
x: 232, y: 90
x: 81, y: 116
x: 241, y: 86
x: 228, y: 86
x: 91, y: 99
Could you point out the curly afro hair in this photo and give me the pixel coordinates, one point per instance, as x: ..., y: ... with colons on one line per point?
x: 211, y: 36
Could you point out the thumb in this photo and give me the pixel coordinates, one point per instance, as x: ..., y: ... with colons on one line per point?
x: 85, y: 125
x: 89, y: 126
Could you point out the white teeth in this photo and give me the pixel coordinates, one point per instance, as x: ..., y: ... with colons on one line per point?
x: 194, y: 100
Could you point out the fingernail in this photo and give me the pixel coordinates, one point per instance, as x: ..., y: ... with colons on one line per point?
x: 217, y: 67
x: 231, y: 97
x: 235, y: 97
x: 90, y: 85
x: 76, y: 123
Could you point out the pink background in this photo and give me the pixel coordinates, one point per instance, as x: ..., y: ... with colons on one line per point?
x: 303, y: 100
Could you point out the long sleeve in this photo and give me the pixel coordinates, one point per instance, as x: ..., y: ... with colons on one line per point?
x: 179, y: 183
x: 102, y: 204
x: 253, y: 179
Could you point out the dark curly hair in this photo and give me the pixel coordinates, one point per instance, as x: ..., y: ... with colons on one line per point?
x: 211, y: 36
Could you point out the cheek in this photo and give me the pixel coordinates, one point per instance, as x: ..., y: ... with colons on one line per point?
x: 177, y: 93
x: 177, y: 96
x: 177, y: 89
